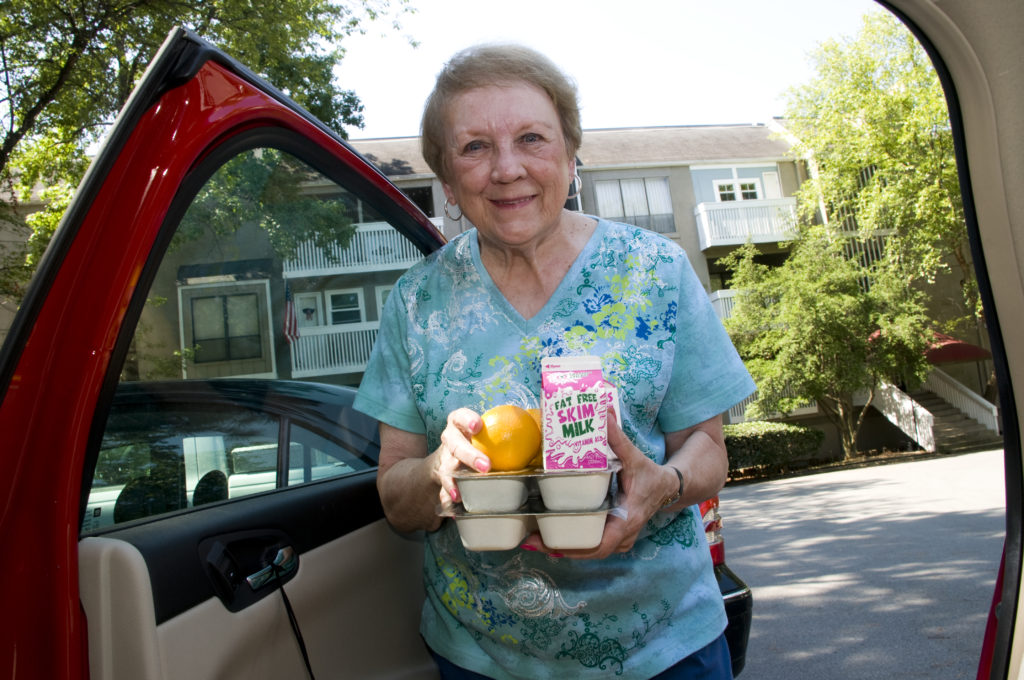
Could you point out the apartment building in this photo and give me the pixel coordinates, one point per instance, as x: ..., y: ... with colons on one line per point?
x: 237, y: 300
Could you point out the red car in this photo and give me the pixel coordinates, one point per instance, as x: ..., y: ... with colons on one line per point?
x: 171, y: 508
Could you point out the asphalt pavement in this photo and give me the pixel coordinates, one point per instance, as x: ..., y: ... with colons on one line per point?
x: 870, y: 573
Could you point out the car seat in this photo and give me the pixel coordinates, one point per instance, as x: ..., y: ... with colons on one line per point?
x: 213, y: 486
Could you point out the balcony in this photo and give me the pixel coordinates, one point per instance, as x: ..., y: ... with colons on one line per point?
x: 723, y: 301
x: 375, y: 246
x: 733, y: 223
x: 332, y: 350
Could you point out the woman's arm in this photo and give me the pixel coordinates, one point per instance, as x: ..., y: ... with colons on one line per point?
x: 412, y: 483
x: 699, y: 453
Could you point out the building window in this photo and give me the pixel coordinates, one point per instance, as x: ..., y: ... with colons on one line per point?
x: 225, y: 327
x: 346, y: 306
x: 307, y: 310
x: 645, y: 202
x: 738, y: 190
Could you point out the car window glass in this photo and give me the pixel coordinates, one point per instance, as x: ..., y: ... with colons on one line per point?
x: 275, y: 274
x: 312, y: 456
x: 160, y: 455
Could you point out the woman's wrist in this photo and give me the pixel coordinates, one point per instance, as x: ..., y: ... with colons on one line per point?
x: 409, y: 494
x: 676, y: 491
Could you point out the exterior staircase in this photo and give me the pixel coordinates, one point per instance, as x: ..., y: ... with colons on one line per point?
x: 955, y: 432
x: 943, y: 415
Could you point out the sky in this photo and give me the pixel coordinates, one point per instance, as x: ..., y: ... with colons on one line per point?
x: 635, y: 62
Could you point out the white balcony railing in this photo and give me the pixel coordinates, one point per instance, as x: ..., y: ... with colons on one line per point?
x: 723, y: 302
x: 374, y: 247
x: 733, y: 223
x: 329, y: 350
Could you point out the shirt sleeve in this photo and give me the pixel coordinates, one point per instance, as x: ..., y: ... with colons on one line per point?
x: 386, y: 392
x: 708, y: 376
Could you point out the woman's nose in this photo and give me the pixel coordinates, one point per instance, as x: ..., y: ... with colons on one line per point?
x: 507, y: 165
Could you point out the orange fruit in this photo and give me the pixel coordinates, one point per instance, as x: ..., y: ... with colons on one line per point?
x: 510, y: 437
x: 538, y: 460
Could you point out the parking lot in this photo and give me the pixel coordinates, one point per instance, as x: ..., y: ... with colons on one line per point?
x: 877, y: 572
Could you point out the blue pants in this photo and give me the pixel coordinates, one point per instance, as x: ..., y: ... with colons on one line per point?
x: 710, y: 663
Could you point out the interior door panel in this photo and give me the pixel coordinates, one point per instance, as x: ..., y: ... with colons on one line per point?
x: 359, y: 619
x: 356, y: 596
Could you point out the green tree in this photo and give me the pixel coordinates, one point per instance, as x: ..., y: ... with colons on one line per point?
x: 824, y: 327
x: 880, y: 219
x: 67, y: 68
x: 875, y: 124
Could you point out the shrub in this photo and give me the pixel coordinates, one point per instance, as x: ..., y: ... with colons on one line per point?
x: 764, y: 444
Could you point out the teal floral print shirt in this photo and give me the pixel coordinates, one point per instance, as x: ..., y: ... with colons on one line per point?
x: 448, y: 339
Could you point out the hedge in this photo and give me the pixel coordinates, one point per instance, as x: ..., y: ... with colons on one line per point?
x: 764, y: 444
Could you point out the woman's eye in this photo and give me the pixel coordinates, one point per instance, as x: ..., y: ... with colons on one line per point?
x: 472, y: 147
x: 531, y: 137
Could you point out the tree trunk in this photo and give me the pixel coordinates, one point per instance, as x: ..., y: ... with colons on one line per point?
x: 842, y: 414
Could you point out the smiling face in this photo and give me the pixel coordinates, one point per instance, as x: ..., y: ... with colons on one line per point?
x: 509, y: 168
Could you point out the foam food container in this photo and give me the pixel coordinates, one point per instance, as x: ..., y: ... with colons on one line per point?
x: 569, y: 531
x: 492, y: 492
x: 492, y: 532
x: 571, y: 491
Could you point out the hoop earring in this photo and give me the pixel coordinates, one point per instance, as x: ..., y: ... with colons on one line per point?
x: 453, y: 219
x: 579, y: 186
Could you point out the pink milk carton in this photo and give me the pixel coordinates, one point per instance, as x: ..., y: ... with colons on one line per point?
x: 574, y: 414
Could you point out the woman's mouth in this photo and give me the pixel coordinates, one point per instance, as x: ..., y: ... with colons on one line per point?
x: 511, y: 202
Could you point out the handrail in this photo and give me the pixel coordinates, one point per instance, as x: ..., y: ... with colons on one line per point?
x: 904, y: 412
x: 963, y: 399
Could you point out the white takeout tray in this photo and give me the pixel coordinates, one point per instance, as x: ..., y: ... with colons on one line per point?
x: 570, y: 490
x: 560, y: 530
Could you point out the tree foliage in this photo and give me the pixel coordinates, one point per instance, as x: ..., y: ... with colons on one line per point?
x: 875, y: 123
x: 66, y: 69
x: 879, y: 217
x: 813, y: 330
x: 266, y: 188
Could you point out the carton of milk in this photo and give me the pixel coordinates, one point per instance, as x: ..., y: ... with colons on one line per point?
x: 574, y: 414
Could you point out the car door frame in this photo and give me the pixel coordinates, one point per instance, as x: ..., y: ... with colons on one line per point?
x: 975, y: 48
x: 108, y: 243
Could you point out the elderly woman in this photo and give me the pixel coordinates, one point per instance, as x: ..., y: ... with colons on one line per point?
x: 467, y: 329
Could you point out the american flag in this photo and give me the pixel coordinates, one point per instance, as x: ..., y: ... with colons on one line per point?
x: 291, y: 324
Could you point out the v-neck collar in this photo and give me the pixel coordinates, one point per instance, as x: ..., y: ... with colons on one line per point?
x: 561, y: 292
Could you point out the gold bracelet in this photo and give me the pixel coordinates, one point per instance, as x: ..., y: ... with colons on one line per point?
x: 674, y: 498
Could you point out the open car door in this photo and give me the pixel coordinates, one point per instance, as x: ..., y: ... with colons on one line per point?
x: 977, y: 50
x: 213, y: 532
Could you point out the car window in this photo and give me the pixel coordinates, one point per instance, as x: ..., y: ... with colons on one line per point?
x: 274, y: 274
x: 312, y: 456
x: 158, y: 457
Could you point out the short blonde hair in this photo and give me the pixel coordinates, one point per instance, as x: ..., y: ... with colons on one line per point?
x: 488, y: 65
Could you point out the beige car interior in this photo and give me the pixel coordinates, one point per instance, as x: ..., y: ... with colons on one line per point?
x: 359, y: 618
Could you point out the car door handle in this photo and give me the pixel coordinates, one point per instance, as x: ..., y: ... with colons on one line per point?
x: 284, y: 562
x: 242, y: 565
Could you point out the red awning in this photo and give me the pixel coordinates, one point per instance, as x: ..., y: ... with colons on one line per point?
x: 948, y: 350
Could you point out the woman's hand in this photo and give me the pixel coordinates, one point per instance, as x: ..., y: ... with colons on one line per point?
x: 644, y: 484
x: 699, y: 452
x: 455, y: 451
x: 411, y: 482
